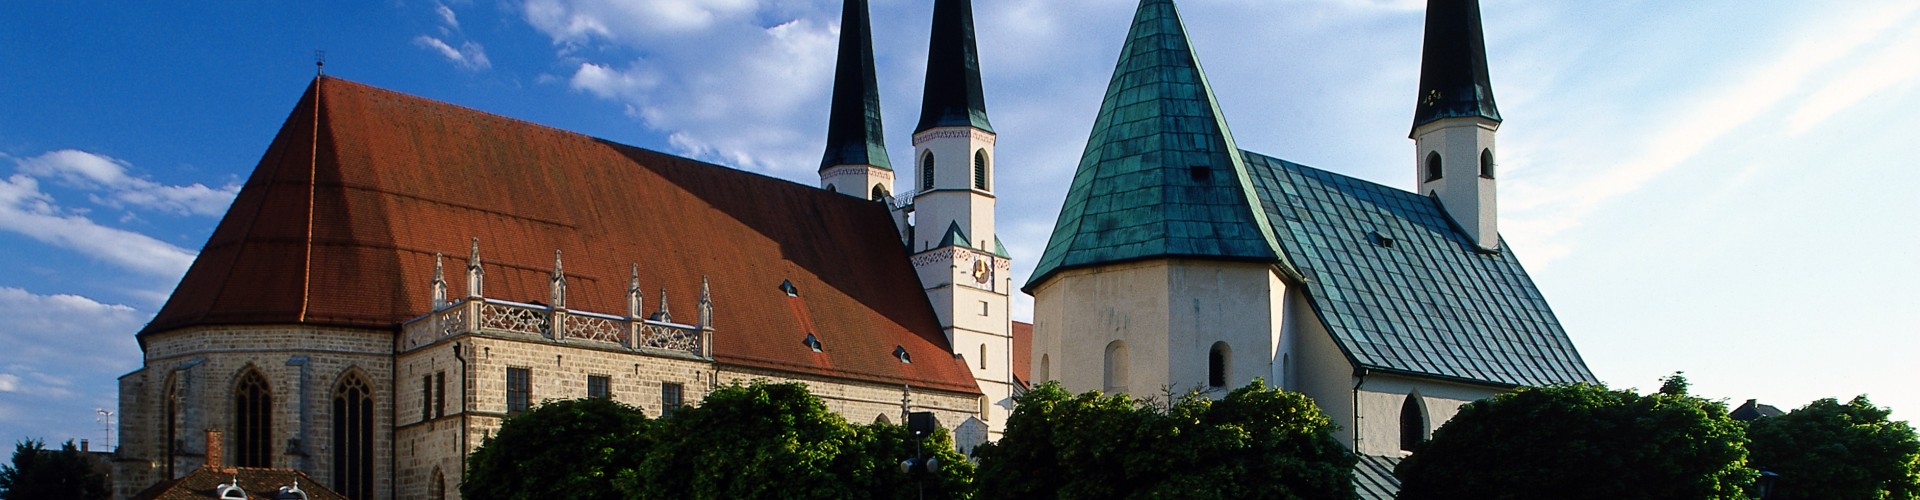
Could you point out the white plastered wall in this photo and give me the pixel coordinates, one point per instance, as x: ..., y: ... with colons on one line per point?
x: 1468, y: 198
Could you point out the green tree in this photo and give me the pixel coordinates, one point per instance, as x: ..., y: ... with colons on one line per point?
x: 559, y: 449
x: 1256, y: 442
x: 1834, y: 450
x: 768, y: 440
x: 37, y: 472
x: 1581, y: 441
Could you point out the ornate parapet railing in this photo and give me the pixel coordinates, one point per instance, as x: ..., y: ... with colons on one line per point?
x: 506, y: 318
x: 478, y: 314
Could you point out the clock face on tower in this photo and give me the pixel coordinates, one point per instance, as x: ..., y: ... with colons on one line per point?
x: 982, y: 271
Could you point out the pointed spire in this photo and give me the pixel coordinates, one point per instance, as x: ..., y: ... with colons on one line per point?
x: 439, y: 284
x: 662, y: 315
x: 476, y: 276
x: 1453, y: 65
x: 559, y: 283
x: 953, y: 96
x: 633, y: 292
x: 1161, y: 175
x: 853, y: 130
x: 706, y: 304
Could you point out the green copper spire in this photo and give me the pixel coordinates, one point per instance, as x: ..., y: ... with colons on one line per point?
x: 853, y: 131
x: 1453, y: 65
x: 953, y: 96
x: 1161, y: 176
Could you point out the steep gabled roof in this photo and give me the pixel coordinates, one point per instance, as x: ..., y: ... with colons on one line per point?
x: 204, y: 482
x: 1161, y: 176
x: 853, y: 125
x: 1402, y: 291
x: 339, y: 224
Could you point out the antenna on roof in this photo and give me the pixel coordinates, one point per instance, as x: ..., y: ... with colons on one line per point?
x: 320, y: 62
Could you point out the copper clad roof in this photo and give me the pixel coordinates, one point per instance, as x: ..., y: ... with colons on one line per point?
x: 339, y: 223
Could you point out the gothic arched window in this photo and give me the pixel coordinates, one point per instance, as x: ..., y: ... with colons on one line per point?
x: 1116, y: 373
x: 980, y: 170
x: 437, y: 489
x: 252, y: 420
x: 1433, y: 166
x: 1046, y: 369
x: 926, y: 171
x: 1413, y: 422
x: 353, y: 437
x: 1486, y: 163
x: 1217, y: 364
x: 880, y: 193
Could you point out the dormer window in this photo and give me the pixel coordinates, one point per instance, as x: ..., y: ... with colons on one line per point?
x: 900, y: 353
x: 787, y: 286
x: 1433, y: 167
x: 813, y: 343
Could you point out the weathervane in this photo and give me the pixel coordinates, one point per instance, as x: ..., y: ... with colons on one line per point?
x: 320, y: 62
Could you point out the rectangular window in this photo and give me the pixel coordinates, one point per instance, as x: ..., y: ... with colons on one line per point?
x: 440, y: 394
x: 519, y: 390
x: 426, y: 397
x: 669, y: 398
x: 599, y: 386
x: 983, y: 308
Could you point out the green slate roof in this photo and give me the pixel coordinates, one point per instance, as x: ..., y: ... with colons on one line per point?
x: 1160, y: 176
x: 853, y: 125
x: 1401, y: 290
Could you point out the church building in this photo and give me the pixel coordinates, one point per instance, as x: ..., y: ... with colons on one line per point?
x: 1180, y: 261
x: 398, y: 276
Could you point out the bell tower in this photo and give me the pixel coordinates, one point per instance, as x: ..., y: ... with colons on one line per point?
x: 1454, y: 121
x: 855, y: 163
x: 963, y: 267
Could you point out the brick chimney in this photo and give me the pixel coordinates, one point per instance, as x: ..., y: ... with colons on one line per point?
x: 215, y: 455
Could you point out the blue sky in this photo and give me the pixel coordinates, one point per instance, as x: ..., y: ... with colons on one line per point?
x: 1715, y: 187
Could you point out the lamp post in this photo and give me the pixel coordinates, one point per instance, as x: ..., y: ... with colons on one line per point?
x: 920, y: 424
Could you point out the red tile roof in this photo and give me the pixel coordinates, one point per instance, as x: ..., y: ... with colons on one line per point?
x: 265, y: 484
x: 1023, y: 352
x: 339, y: 223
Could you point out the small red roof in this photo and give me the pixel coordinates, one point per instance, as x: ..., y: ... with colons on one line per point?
x: 339, y: 224
x: 1023, y: 352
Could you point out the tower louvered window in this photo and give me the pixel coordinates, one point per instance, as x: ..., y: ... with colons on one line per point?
x: 353, y: 437
x: 926, y: 171
x: 253, y: 421
x: 980, y: 170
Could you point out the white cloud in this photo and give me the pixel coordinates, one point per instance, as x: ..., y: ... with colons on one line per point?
x: 84, y: 170
x: 470, y: 56
x: 26, y: 210
x: 60, y: 356
x: 749, y: 96
x: 1891, y: 67
x: 575, y: 22
x: 446, y: 16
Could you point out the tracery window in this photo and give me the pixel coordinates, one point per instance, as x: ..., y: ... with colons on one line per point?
x: 170, y: 419
x: 353, y: 437
x: 253, y: 420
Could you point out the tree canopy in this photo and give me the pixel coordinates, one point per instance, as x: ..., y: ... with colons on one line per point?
x: 37, y: 472
x: 1256, y: 442
x: 1834, y: 450
x: 1582, y: 441
x: 560, y: 449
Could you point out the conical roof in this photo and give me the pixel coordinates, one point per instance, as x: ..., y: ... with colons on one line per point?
x: 953, y: 96
x: 1161, y: 176
x: 853, y: 128
x: 1453, y: 65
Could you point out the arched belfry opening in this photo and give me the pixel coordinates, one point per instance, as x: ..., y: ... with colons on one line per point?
x: 252, y: 419
x: 980, y: 170
x: 1486, y: 163
x: 353, y: 436
x: 926, y: 171
x: 1219, y: 368
x: 1413, y: 422
x: 1432, y: 167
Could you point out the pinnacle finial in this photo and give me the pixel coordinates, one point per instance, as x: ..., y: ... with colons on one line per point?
x: 439, y: 284
x: 662, y: 315
x: 706, y: 304
x: 476, y: 276
x: 559, y: 284
x: 633, y: 292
